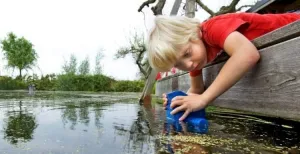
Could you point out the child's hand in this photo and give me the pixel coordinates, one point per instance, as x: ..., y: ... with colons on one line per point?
x: 188, y: 104
x: 164, y: 97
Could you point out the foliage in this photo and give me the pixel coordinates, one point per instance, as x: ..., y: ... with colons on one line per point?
x: 130, y: 86
x: 19, y: 52
x: 46, y: 82
x: 103, y: 83
x: 154, y: 88
x: 71, y: 66
x: 98, y: 67
x: 84, y: 67
x: 67, y: 82
x: 8, y: 83
x: 157, y: 100
x: 70, y: 82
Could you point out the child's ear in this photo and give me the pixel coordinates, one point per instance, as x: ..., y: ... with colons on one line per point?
x: 199, y: 32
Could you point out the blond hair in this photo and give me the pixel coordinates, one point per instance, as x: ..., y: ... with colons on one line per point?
x: 167, y: 38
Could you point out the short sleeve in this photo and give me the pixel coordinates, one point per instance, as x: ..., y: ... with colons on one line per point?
x: 195, y: 73
x: 218, y: 30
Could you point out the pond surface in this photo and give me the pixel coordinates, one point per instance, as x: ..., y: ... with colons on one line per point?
x: 113, y: 123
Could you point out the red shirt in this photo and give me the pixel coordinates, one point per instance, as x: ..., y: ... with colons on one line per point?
x: 251, y: 25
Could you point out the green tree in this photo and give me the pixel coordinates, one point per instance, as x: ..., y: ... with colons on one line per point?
x: 98, y: 67
x: 19, y: 52
x: 84, y: 67
x: 71, y: 66
x: 137, y: 49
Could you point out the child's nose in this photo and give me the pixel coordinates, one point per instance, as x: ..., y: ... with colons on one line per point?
x: 189, y: 65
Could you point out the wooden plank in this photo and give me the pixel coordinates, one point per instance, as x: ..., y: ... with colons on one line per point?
x: 271, y: 88
x: 260, y: 5
x: 190, y: 8
x: 175, y: 7
x: 148, y: 85
x: 289, y: 31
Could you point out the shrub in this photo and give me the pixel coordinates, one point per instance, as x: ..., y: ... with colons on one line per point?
x: 8, y: 83
x: 128, y: 86
x: 71, y: 82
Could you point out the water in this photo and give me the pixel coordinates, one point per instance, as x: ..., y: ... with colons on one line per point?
x: 113, y: 123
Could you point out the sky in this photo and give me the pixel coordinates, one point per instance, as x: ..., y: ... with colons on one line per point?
x: 59, y: 28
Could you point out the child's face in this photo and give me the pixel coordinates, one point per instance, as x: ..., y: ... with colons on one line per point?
x: 192, y: 56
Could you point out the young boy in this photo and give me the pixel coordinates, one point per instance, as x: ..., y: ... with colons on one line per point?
x: 189, y: 45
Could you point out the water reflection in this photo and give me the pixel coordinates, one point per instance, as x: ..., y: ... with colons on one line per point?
x: 79, y: 112
x: 19, y: 125
x: 116, y: 123
x: 140, y: 135
x: 135, y: 130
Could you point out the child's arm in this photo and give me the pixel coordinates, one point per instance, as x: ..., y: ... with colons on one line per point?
x: 243, y: 56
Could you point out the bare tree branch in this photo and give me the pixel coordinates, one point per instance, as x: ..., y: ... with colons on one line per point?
x: 204, y: 7
x: 157, y: 9
x: 234, y: 3
x: 138, y: 62
x: 240, y: 8
x: 146, y: 3
x: 228, y: 9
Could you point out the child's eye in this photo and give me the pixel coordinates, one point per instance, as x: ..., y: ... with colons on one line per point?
x: 186, y: 54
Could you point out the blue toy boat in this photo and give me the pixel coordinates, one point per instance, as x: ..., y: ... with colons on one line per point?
x: 195, y: 121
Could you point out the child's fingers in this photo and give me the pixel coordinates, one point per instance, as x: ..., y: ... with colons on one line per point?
x: 164, y: 99
x: 179, y: 108
x: 165, y: 102
x: 178, y: 100
x: 186, y: 113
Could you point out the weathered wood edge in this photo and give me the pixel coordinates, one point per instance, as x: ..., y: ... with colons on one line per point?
x: 271, y: 88
x: 287, y: 32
